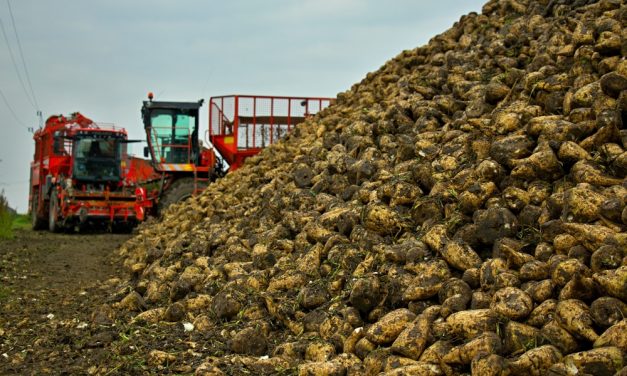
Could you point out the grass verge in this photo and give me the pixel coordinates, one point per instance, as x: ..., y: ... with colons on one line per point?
x: 9, y: 220
x: 21, y: 222
x: 6, y: 222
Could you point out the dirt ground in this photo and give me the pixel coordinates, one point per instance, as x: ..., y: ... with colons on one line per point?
x: 56, y: 294
x: 50, y: 287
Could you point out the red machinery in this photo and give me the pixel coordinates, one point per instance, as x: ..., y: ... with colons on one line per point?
x: 80, y: 175
x: 239, y: 127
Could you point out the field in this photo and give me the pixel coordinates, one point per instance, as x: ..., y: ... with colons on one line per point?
x: 49, y: 286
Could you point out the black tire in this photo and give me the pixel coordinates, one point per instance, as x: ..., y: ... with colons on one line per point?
x: 180, y: 190
x: 53, y: 214
x: 37, y: 223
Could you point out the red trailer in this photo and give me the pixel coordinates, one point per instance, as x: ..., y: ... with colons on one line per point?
x: 80, y: 174
x: 239, y: 127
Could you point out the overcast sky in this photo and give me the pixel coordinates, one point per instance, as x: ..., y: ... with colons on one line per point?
x: 102, y: 57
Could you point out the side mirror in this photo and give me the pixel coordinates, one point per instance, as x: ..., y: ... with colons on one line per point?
x: 146, y: 152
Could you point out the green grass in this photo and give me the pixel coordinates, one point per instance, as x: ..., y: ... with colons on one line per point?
x: 6, y: 223
x: 10, y: 221
x: 21, y: 222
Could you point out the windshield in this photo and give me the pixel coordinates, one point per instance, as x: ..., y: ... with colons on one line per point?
x: 170, y: 135
x: 97, y: 159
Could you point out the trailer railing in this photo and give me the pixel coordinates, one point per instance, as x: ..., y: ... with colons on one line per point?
x: 242, y: 125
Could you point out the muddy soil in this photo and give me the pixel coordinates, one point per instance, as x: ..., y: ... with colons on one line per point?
x: 56, y: 292
x: 50, y: 287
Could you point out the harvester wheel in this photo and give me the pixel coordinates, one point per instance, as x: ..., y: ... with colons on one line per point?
x: 180, y: 190
x: 37, y: 223
x: 53, y: 214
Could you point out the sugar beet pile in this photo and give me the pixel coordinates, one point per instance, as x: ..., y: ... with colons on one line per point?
x: 462, y: 209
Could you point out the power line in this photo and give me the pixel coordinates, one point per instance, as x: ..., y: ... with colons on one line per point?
x: 19, y: 76
x: 19, y: 45
x: 6, y: 102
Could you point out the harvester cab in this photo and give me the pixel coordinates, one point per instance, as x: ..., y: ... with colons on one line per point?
x: 172, y: 134
x: 184, y: 165
x: 98, y: 157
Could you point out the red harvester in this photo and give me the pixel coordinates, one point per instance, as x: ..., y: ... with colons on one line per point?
x: 80, y: 175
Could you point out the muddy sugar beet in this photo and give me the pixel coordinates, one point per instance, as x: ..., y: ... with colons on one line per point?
x: 460, y: 210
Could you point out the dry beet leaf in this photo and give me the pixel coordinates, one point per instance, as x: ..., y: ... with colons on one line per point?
x: 462, y: 209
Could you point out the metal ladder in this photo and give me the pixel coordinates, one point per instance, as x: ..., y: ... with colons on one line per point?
x: 200, y: 182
